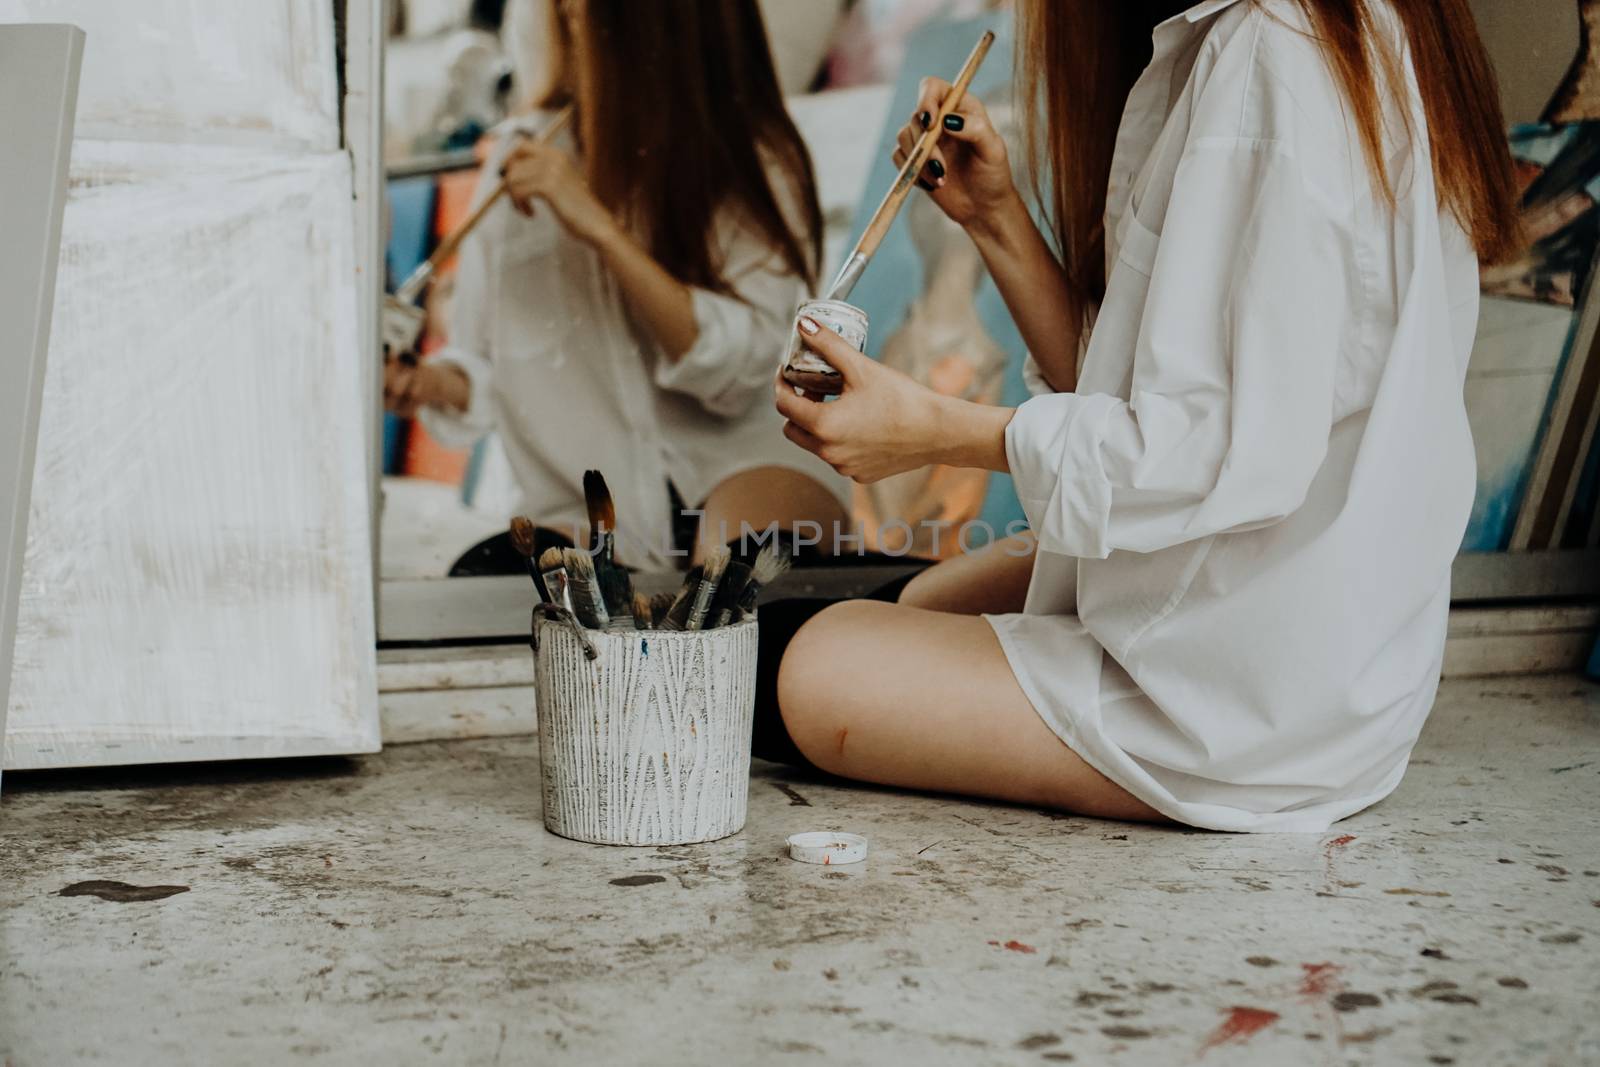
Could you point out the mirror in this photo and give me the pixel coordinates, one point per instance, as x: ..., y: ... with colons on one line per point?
x: 546, y: 350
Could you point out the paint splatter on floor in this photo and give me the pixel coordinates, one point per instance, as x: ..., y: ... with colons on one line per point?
x: 796, y: 800
x: 638, y: 879
x: 121, y: 892
x: 1241, y: 1025
x: 1015, y: 946
x: 1321, y: 979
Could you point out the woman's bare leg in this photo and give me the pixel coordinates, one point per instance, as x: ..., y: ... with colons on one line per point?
x: 992, y: 580
x: 763, y: 496
x: 926, y: 700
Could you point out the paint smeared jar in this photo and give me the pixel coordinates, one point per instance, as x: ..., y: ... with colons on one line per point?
x: 806, y: 370
x: 648, y: 743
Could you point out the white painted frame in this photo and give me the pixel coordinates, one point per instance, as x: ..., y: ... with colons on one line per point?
x: 39, y: 68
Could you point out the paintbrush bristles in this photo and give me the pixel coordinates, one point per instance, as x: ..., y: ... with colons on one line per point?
x: 587, y: 603
x: 550, y: 560
x: 769, y: 566
x: 602, y: 510
x: 641, y: 612
x: 716, y: 565
x: 522, y: 535
x: 660, y: 604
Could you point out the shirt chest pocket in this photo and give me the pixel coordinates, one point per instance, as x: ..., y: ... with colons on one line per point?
x: 1136, y: 243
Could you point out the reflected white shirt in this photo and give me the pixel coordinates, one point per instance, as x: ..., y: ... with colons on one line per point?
x: 539, y: 327
x: 1253, y: 499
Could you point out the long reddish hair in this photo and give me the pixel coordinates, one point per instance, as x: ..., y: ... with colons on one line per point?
x: 1079, y: 59
x: 681, y: 118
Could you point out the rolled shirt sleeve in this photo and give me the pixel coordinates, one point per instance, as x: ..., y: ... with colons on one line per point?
x: 740, y: 337
x: 1231, y: 399
x: 461, y: 429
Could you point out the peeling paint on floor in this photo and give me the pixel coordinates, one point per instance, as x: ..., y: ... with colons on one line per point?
x: 410, y: 906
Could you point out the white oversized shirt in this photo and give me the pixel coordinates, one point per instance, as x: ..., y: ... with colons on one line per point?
x: 540, y: 328
x: 1254, y: 496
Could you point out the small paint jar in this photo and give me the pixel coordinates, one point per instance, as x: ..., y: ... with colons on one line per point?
x: 806, y: 370
x: 648, y: 742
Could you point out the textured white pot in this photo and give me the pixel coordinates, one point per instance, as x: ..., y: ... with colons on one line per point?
x: 648, y: 743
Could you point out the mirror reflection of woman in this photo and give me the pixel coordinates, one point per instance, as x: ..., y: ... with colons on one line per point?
x: 1247, y: 465
x: 624, y: 310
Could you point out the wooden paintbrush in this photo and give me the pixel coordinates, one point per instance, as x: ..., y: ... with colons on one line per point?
x: 726, y: 602
x: 587, y: 603
x: 523, y: 540
x: 769, y: 565
x: 660, y: 604
x: 412, y: 287
x: 616, y: 587
x: 883, y: 218
x: 402, y: 320
x: 716, y: 565
x: 554, y: 572
x: 677, y: 617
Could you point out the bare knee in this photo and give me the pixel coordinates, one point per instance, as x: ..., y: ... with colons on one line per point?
x: 813, y: 693
x: 922, y: 591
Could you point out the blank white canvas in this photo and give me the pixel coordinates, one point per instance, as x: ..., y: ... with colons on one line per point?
x: 197, y: 579
x: 247, y: 72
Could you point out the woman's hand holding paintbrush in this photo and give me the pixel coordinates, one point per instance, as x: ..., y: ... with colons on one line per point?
x: 967, y: 172
x: 968, y: 175
x: 912, y: 161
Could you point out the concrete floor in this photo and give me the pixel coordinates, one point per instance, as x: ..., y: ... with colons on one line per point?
x: 409, y: 907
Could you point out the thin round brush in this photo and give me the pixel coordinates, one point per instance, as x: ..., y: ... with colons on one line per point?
x: 587, y: 603
x: 616, y: 586
x: 522, y: 539
x: 716, y: 566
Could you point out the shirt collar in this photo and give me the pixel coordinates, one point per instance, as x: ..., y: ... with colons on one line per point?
x: 1201, y: 11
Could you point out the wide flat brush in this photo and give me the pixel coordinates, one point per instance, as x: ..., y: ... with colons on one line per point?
x: 726, y: 601
x: 677, y: 617
x: 660, y: 604
x: 553, y: 572
x: 587, y: 603
x: 715, y: 567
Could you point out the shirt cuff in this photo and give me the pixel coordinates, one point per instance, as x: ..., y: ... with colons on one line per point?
x: 1033, y: 377
x: 462, y: 429
x: 1053, y: 445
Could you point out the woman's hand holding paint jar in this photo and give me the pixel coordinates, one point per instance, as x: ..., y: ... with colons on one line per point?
x: 968, y: 174
x: 885, y: 423
x: 544, y: 172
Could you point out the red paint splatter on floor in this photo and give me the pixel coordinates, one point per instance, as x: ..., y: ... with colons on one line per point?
x: 1015, y: 946
x: 1321, y: 979
x: 1330, y: 852
x: 1240, y: 1026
